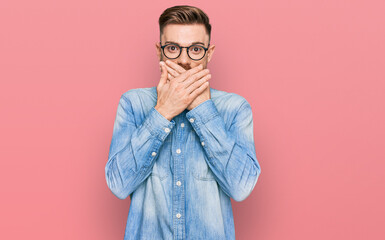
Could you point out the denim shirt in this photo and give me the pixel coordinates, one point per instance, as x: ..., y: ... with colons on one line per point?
x: 181, y: 174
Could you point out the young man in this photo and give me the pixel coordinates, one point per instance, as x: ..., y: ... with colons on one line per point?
x: 181, y: 150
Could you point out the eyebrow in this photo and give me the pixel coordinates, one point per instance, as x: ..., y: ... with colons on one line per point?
x: 190, y: 44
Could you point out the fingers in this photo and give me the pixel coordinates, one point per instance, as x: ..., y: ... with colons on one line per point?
x: 196, y: 77
x: 199, y: 83
x: 163, y: 76
x: 175, y: 67
x: 199, y: 90
x: 172, y: 72
x: 182, y: 77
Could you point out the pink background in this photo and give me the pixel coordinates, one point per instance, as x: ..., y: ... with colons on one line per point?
x: 313, y: 72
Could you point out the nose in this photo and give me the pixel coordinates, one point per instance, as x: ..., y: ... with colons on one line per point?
x: 184, y: 59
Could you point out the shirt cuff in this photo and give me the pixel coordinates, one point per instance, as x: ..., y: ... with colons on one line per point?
x: 202, y: 113
x: 158, y: 125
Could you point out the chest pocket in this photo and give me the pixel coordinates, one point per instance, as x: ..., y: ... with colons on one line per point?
x: 203, y: 173
x: 198, y: 162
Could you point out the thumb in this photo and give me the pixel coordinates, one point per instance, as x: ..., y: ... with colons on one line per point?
x: 164, y: 74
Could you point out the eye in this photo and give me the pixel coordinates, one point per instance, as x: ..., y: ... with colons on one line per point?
x: 196, y: 49
x: 172, y: 48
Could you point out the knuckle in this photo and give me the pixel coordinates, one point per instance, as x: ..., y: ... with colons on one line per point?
x: 186, y: 100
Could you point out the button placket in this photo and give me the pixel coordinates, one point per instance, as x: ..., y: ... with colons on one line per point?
x: 178, y: 178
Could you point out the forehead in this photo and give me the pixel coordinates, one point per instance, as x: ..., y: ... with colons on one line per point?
x: 185, y: 34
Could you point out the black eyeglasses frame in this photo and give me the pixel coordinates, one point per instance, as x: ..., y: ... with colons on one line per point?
x: 181, y: 49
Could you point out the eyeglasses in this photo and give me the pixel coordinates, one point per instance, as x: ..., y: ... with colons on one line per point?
x: 173, y: 50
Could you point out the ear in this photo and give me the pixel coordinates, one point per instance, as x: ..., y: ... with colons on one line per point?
x: 158, y: 51
x: 210, y: 52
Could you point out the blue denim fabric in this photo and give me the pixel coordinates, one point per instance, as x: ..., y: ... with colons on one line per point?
x: 181, y: 174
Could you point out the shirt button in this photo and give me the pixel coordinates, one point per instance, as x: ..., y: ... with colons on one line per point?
x: 203, y: 143
x: 178, y: 215
x: 182, y: 124
x: 167, y: 130
x: 191, y: 120
x: 178, y: 151
x: 178, y: 183
x: 153, y: 153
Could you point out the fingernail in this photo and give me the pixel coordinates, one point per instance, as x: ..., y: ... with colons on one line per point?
x: 161, y: 63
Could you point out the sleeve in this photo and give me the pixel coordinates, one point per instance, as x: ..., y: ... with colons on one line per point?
x: 230, y: 152
x: 133, y: 150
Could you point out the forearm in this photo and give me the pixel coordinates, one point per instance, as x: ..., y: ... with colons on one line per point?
x: 230, y: 152
x: 133, y: 151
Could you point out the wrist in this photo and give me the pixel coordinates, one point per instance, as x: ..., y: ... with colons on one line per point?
x: 163, y: 113
x: 195, y: 104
